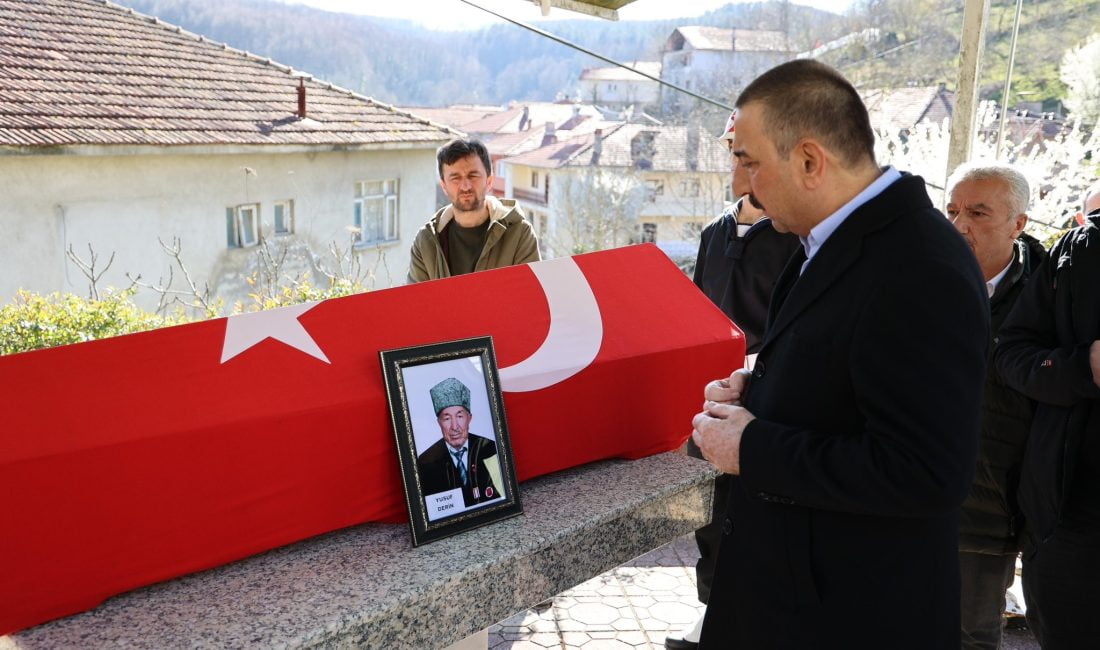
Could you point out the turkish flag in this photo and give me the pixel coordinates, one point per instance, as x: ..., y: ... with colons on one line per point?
x: 131, y: 460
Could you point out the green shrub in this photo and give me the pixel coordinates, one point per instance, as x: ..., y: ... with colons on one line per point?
x: 32, y: 321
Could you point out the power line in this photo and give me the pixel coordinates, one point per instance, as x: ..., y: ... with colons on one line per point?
x: 558, y: 39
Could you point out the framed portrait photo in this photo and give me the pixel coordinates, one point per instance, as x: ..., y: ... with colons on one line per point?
x: 452, y: 437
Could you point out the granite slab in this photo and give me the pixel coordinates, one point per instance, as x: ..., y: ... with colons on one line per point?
x: 368, y: 587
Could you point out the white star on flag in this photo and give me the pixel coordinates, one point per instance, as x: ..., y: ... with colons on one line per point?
x: 246, y: 330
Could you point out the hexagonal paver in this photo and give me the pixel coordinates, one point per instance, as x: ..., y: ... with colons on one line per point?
x: 607, y: 644
x: 593, y: 613
x: 674, y: 613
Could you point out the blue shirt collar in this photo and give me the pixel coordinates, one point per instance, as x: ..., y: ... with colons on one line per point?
x: 822, y: 231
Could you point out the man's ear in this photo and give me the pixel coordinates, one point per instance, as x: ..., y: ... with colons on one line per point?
x: 1021, y: 223
x: 811, y: 158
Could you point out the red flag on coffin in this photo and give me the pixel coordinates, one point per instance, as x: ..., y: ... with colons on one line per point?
x: 132, y: 460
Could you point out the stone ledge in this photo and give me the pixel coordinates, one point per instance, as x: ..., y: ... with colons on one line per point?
x: 367, y: 586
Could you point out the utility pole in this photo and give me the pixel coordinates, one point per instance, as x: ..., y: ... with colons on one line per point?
x: 964, y: 117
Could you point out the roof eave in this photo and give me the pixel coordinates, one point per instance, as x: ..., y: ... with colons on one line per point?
x: 211, y: 149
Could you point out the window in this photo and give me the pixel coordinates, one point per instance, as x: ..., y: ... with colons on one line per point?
x: 376, y: 211
x: 649, y: 232
x: 241, y: 225
x: 534, y: 179
x: 284, y: 217
x: 653, y: 189
x: 689, y: 187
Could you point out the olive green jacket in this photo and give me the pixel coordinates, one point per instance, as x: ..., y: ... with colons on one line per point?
x: 510, y: 240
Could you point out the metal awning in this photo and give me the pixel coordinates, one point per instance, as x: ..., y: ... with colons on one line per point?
x: 602, y: 8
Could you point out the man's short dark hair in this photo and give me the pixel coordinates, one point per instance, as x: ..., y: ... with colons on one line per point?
x: 806, y: 98
x: 458, y: 149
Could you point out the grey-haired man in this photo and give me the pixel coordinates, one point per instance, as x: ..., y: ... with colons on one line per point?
x: 458, y: 459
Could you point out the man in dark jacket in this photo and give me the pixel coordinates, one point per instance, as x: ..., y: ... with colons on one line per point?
x: 740, y: 258
x: 854, y: 439
x: 1049, y: 349
x: 988, y: 205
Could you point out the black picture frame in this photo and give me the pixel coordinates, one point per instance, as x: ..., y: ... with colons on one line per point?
x: 444, y: 498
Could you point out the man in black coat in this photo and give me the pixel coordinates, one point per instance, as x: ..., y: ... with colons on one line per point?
x: 459, y: 459
x: 854, y: 441
x: 1049, y: 349
x: 740, y: 258
x: 987, y: 203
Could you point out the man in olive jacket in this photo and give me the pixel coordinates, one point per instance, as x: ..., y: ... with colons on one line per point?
x: 988, y: 204
x: 475, y: 232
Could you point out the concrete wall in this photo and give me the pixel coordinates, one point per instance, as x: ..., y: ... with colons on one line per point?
x: 618, y: 92
x: 122, y: 204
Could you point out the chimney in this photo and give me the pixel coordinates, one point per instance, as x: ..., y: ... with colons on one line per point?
x: 549, y: 137
x: 301, y: 98
x: 597, y: 147
x: 525, y: 119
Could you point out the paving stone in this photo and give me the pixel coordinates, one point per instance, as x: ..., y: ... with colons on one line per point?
x: 575, y: 639
x: 604, y: 634
x: 544, y: 625
x: 641, y: 601
x: 525, y: 645
x: 636, y: 638
x: 593, y: 613
x: 607, y: 644
x: 674, y: 613
x: 625, y: 624
x: 546, y: 639
x: 650, y: 623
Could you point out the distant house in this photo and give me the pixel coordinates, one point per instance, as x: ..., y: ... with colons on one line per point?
x: 617, y: 87
x: 717, y: 60
x: 668, y: 181
x: 117, y: 129
x: 521, y: 127
x: 898, y: 109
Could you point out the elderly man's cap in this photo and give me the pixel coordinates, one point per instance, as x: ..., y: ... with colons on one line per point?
x: 727, y: 133
x: 450, y: 392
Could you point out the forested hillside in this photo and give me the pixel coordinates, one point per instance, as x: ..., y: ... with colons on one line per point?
x: 397, y: 61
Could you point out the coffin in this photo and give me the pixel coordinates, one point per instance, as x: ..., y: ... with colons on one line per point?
x: 132, y: 460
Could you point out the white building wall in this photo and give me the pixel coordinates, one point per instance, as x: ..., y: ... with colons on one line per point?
x: 122, y: 204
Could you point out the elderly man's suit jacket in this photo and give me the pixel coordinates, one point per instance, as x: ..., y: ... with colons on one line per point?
x: 438, y: 472
x: 842, y: 530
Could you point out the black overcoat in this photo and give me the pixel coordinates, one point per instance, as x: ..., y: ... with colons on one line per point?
x: 842, y: 530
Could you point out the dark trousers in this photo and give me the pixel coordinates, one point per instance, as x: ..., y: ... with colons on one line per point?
x: 710, y: 536
x: 984, y: 580
x: 1061, y: 578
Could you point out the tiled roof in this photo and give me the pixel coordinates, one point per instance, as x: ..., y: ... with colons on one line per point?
x: 902, y: 108
x: 457, y: 116
x: 670, y: 150
x: 554, y: 155
x: 89, y: 72
x: 615, y: 73
x: 538, y: 113
x: 720, y: 38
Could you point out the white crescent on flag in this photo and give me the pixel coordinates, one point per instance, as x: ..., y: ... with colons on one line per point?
x: 572, y: 342
x: 576, y: 329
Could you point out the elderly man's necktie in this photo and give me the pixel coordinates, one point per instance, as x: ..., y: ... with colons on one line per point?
x: 461, y: 464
